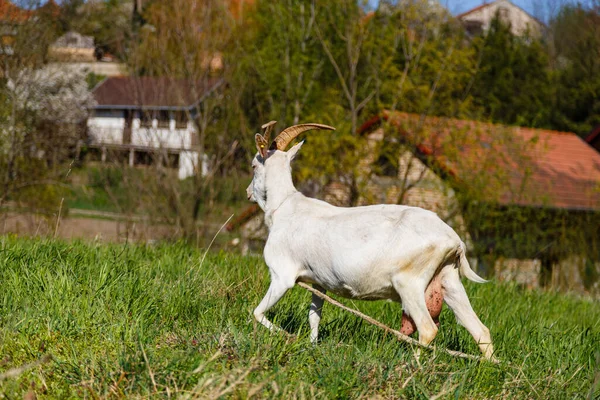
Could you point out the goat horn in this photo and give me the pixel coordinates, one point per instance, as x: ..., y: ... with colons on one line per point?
x: 268, y: 128
x: 288, y: 134
x: 262, y: 141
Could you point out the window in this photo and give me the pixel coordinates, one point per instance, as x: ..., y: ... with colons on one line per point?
x: 387, y: 162
x: 387, y: 166
x: 164, y: 119
x: 146, y: 118
x: 473, y: 27
x: 106, y: 113
x: 181, y: 120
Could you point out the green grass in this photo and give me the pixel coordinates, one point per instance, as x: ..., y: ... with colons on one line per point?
x: 123, y: 321
x: 104, y: 188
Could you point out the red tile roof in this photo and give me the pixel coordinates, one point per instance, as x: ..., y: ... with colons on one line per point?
x: 507, y: 165
x: 152, y: 92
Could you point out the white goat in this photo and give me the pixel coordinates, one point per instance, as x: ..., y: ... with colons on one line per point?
x: 372, y: 252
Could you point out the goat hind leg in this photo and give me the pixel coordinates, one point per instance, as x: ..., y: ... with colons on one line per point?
x: 456, y: 298
x: 434, y: 300
x: 414, y: 305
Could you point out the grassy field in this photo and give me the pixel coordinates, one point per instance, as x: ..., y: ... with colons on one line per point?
x: 120, y: 321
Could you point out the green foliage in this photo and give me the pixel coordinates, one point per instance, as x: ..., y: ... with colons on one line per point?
x: 103, y: 189
x: 424, y: 62
x: 93, y: 80
x: 577, y: 42
x: 148, y: 192
x: 108, y: 22
x: 513, y: 84
x: 142, y: 321
x: 34, y: 146
x: 279, y: 65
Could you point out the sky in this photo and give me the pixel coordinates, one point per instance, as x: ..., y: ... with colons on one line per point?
x: 541, y: 9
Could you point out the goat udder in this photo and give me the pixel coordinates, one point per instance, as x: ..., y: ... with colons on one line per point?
x: 434, y: 299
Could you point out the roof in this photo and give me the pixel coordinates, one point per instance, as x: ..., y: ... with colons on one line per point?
x: 505, y: 165
x: 152, y: 92
x: 485, y: 5
x: 472, y: 10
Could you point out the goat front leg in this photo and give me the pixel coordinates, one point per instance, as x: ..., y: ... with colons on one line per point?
x: 314, y: 314
x: 277, y: 289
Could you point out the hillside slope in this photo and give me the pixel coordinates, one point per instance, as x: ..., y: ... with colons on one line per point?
x: 137, y: 321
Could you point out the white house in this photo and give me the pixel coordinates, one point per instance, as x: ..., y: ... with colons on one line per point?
x: 147, y: 116
x: 478, y: 19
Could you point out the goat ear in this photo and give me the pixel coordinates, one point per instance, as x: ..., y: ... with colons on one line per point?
x: 294, y: 150
x: 261, y: 144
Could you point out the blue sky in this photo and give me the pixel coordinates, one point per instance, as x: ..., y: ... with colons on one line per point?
x: 540, y: 9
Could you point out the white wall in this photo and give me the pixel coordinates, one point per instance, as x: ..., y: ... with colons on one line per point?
x: 520, y: 21
x: 161, y: 137
x: 188, y: 162
x: 107, y: 127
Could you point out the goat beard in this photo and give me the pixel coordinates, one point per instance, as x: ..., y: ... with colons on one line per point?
x: 262, y: 202
x: 434, y: 298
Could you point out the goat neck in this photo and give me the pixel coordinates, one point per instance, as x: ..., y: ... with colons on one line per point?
x: 278, y: 183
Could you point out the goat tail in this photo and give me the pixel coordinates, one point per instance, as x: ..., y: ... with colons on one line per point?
x: 463, y: 264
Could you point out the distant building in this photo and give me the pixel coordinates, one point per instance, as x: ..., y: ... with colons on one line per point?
x: 477, y: 20
x: 141, y: 118
x: 535, y: 167
x: 71, y: 47
x: 79, y: 51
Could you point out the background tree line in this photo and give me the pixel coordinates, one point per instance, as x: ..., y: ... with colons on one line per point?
x: 294, y: 61
x: 294, y: 58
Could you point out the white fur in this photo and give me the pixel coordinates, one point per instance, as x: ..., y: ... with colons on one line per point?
x: 373, y: 252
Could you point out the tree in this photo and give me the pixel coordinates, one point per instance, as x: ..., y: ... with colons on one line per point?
x: 513, y: 84
x: 344, y: 31
x: 185, y: 41
x: 576, y: 33
x: 277, y: 64
x: 424, y: 65
x: 40, y: 134
x: 24, y: 161
x: 109, y: 22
